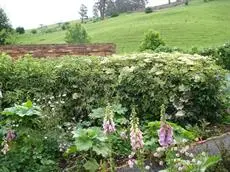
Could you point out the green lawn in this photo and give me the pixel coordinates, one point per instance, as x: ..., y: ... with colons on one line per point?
x: 200, y: 24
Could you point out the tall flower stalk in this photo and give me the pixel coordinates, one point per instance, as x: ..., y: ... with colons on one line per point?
x: 137, y: 143
x: 108, y: 123
x: 109, y: 128
x: 136, y: 138
x: 166, y: 132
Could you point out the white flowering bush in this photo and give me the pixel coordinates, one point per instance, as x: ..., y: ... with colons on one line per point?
x: 191, y: 85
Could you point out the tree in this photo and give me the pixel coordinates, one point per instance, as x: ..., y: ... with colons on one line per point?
x: 101, y: 6
x: 76, y: 34
x: 83, y: 12
x: 20, y: 30
x: 5, y: 28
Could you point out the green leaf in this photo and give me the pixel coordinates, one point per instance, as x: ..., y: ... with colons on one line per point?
x: 83, y: 144
x: 97, y: 113
x: 211, y: 160
x: 28, y: 104
x: 70, y: 150
x: 91, y: 165
x: 102, y: 150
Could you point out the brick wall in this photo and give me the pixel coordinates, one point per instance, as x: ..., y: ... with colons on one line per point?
x: 56, y: 50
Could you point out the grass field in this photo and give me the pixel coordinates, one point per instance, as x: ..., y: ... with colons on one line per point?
x: 200, y: 24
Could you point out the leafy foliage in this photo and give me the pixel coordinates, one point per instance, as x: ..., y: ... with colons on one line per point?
x: 148, y: 10
x: 29, y: 150
x: 20, y: 30
x: 77, y: 34
x: 190, y: 85
x: 151, y: 41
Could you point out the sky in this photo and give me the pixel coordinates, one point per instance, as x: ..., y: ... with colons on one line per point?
x: 31, y: 13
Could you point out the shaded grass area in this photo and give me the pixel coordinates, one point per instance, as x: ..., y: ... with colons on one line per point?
x: 200, y: 24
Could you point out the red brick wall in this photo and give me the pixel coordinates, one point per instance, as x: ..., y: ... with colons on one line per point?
x: 56, y: 50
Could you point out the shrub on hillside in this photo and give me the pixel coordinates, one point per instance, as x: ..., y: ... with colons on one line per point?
x: 65, y: 26
x: 190, y: 85
x: 151, y: 41
x: 33, y: 31
x: 76, y: 34
x: 115, y: 14
x: 20, y: 30
x: 148, y: 10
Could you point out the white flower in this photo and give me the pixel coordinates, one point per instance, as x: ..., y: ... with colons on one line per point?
x: 191, y: 155
x: 177, y: 155
x: 184, y: 140
x: 203, y: 153
x: 1, y: 94
x: 193, y: 160
x: 180, y: 168
x: 175, y: 149
x: 147, y: 167
x: 187, y: 154
x: 198, y: 162
x: 161, y: 163
x: 156, y: 155
x: 160, y: 149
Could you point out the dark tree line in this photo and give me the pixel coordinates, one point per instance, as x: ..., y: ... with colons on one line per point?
x: 109, y: 7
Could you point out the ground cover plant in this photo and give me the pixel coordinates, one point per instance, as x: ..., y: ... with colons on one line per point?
x: 202, y: 24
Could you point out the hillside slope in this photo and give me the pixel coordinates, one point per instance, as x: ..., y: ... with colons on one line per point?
x: 200, y: 24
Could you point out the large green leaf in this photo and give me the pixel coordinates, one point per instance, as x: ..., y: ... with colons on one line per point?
x: 102, y: 149
x: 91, y: 165
x: 83, y: 144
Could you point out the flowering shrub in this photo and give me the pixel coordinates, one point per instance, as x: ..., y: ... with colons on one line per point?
x: 190, y: 85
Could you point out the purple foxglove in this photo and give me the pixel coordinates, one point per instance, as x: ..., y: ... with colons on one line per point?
x: 165, y: 135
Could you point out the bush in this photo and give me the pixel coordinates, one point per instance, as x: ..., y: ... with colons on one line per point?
x: 33, y: 31
x: 220, y: 54
x: 151, y: 41
x: 65, y: 26
x: 115, y: 14
x: 190, y: 85
x: 167, y: 49
x: 77, y: 34
x: 20, y: 30
x: 148, y: 10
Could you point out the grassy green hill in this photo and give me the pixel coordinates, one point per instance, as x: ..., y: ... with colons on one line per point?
x: 200, y: 24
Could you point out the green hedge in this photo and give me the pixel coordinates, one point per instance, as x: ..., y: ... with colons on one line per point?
x: 221, y: 54
x: 190, y: 85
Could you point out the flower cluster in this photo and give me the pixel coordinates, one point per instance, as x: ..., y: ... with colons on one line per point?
x: 108, y: 123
